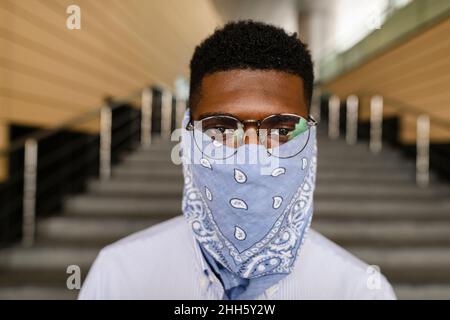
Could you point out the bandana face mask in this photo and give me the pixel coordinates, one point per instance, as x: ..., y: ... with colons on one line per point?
x: 250, y: 216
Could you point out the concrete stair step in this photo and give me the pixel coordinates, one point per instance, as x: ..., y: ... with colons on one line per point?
x: 89, y: 231
x: 56, y: 278
x: 155, y: 172
x: 385, y: 234
x: 139, y: 175
x: 164, y: 160
x: 383, y: 210
x: 325, y: 155
x: 167, y: 189
x: 98, y: 231
x: 361, y: 170
x: 164, y: 144
x: 171, y: 188
x: 422, y: 292
x: 325, y: 146
x: 113, y: 206
x: 363, y: 167
x: 351, y: 208
x: 408, y: 265
x: 37, y: 293
x: 379, y: 192
x: 350, y: 158
x: 337, y: 208
x: 148, y: 157
x: 49, y: 257
x: 344, y: 174
x: 361, y: 148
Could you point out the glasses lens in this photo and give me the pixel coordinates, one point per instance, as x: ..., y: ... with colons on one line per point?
x: 218, y: 137
x: 284, y: 136
x: 276, y: 131
x: 221, y: 130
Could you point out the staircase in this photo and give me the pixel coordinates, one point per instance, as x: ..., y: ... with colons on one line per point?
x: 368, y: 204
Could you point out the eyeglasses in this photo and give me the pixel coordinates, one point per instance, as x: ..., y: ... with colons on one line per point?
x: 223, y: 134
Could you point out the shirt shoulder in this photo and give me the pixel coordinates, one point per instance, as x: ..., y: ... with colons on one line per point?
x: 145, y: 265
x: 324, y: 270
x: 155, y: 242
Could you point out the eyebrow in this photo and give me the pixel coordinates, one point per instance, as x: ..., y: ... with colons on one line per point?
x: 215, y: 114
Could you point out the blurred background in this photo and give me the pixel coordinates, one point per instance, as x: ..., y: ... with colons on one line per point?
x: 91, y: 90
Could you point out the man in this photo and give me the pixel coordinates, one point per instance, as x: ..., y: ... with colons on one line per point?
x: 244, y: 234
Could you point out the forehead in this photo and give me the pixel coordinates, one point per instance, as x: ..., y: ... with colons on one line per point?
x: 251, y: 94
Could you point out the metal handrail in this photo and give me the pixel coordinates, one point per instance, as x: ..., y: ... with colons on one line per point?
x: 404, y: 107
x: 376, y: 127
x: 45, y: 133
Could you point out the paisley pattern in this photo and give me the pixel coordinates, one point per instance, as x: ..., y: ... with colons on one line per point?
x: 304, y: 163
x: 239, y: 233
x: 252, y: 224
x: 276, y: 252
x: 238, y: 204
x: 277, y: 200
x: 208, y: 194
x: 278, y: 171
x: 239, y: 176
x: 205, y: 163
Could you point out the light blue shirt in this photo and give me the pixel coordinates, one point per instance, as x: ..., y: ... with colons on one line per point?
x: 165, y: 262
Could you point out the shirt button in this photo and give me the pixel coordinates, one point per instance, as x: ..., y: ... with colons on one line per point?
x: 203, y: 282
x: 271, y: 291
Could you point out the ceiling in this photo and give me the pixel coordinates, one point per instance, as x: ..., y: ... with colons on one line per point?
x: 283, y: 13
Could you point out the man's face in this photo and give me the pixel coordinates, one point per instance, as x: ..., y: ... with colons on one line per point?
x: 250, y: 94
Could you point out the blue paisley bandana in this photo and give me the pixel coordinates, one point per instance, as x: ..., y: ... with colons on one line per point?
x: 249, y: 216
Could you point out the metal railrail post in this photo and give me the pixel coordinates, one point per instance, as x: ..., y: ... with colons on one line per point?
x: 423, y: 151
x: 351, y: 133
x: 29, y: 192
x: 180, y: 109
x: 105, y: 142
x: 315, y: 105
x: 166, y: 114
x: 146, y: 117
x: 376, y: 123
x: 333, y: 117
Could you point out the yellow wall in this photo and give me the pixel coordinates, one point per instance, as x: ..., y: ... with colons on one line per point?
x: 49, y: 74
x: 416, y: 72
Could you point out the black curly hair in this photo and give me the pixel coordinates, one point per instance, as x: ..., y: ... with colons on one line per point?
x: 251, y: 45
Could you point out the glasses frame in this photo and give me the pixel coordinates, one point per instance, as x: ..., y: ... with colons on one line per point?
x: 310, y: 121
